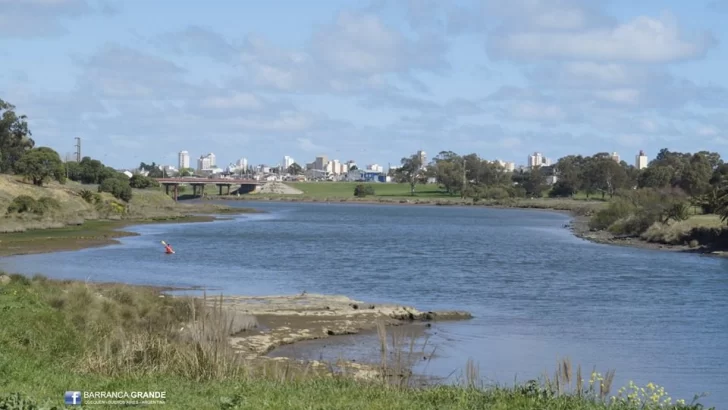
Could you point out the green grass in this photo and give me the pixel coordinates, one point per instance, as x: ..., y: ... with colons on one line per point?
x: 346, y: 190
x: 681, y: 232
x: 59, y: 336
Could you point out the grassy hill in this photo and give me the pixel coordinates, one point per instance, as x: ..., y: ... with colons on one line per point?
x: 73, y: 209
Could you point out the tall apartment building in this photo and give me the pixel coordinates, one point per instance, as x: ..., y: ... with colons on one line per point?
x: 206, y: 162
x: 242, y: 163
x: 535, y: 159
x: 641, y: 160
x: 183, y: 160
x: 423, y: 158
x: 320, y: 162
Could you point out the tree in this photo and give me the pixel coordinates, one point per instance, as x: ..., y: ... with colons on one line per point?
x: 139, y: 181
x: 722, y: 204
x: 116, y: 187
x: 447, y: 169
x: 492, y: 173
x: 696, y: 176
x: 15, y: 136
x: 41, y: 164
x: 410, y: 172
x: 473, y: 168
x: 535, y: 182
x: 153, y: 170
x: 185, y: 172
x: 295, y: 169
x: 656, y: 176
x: 90, y: 171
x: 569, y: 171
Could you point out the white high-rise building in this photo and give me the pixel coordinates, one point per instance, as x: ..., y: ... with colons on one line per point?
x: 641, y: 160
x: 184, y: 160
x: 242, y: 163
x: 535, y: 160
x: 206, y: 162
x: 423, y: 158
x: 615, y: 157
x: 287, y: 162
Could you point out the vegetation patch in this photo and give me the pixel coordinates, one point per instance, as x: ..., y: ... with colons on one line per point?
x: 57, y: 334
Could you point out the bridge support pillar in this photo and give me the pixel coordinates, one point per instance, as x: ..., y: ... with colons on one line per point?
x: 219, y: 187
x: 198, y: 190
x: 175, y: 190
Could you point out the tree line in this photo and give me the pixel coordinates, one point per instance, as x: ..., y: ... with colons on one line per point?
x: 701, y: 176
x: 40, y: 165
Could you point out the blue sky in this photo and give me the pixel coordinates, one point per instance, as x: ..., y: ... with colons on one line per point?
x: 369, y: 80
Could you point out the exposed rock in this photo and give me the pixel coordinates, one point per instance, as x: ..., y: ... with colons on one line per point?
x: 289, y: 319
x: 4, y: 279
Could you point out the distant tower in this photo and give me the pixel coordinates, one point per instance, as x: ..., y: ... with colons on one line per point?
x: 615, y: 157
x: 641, y: 160
x: 78, y: 149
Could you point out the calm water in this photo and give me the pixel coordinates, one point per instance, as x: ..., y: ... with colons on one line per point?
x: 538, y: 293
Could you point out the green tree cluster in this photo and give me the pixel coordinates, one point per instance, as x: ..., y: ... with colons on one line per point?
x: 18, y: 154
x: 15, y: 137
x: 117, y: 187
x: 140, y: 181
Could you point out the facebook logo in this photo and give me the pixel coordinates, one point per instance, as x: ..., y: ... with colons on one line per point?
x: 73, y: 398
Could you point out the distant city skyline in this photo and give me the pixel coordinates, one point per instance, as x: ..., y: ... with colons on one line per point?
x: 641, y: 158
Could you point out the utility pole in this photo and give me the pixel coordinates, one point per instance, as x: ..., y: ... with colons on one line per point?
x: 78, y: 149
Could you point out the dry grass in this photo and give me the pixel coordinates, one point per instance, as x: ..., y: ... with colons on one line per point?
x: 677, y: 233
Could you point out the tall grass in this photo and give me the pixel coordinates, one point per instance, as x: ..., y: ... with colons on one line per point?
x: 111, y: 335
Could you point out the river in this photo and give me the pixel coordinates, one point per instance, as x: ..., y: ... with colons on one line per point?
x: 537, y: 292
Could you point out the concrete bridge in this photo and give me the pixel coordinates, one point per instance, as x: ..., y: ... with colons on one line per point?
x: 198, y: 185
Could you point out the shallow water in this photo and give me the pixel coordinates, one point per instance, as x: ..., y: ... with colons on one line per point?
x: 538, y: 292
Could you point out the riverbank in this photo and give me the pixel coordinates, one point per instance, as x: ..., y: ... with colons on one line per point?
x: 61, y: 335
x: 573, y: 206
x: 98, y: 233
x: 579, y: 226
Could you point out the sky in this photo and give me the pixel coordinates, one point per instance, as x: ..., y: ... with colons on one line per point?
x: 367, y: 80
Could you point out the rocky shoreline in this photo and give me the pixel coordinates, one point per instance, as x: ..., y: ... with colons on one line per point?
x: 274, y: 321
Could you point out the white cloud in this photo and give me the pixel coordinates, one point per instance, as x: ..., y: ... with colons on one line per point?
x: 43, y: 18
x: 238, y: 100
x: 707, y: 131
x: 627, y: 96
x: 643, y: 39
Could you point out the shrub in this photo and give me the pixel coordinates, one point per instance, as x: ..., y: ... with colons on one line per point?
x: 616, y: 210
x: 27, y: 204
x: 22, y: 204
x: 47, y: 203
x: 116, y: 187
x: 362, y: 190
x: 677, y: 211
x: 141, y: 182
x: 496, y: 192
x: 87, y: 195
